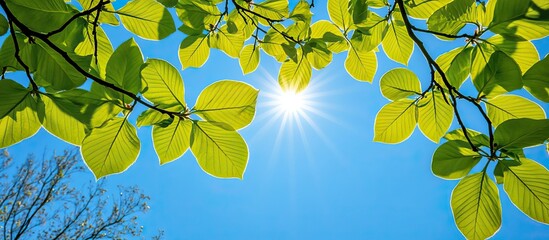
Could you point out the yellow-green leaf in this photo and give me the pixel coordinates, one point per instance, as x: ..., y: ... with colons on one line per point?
x: 536, y: 80
x: 147, y: 19
x: 229, y: 102
x: 219, y: 151
x: 111, y: 148
x: 423, y: 8
x: 329, y: 33
x: 105, y: 16
x: 523, y: 52
x: 527, y: 185
x: 18, y: 118
x: 435, y: 116
x: 249, y: 58
x: 104, y: 48
x: 194, y: 51
x: 395, y: 122
x: 171, y: 142
x: 229, y: 43
x: 399, y: 83
x: 164, y: 83
x: 361, y: 65
x: 506, y: 107
x: 295, y: 75
x: 397, y: 44
x: 339, y: 13
x: 124, y: 67
x: 476, y: 206
x: 58, y: 119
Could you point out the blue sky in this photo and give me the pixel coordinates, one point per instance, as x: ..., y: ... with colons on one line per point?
x: 320, y: 177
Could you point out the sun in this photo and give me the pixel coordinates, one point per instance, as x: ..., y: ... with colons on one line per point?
x: 291, y: 102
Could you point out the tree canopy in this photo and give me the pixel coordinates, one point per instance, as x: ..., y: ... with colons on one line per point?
x: 82, y: 90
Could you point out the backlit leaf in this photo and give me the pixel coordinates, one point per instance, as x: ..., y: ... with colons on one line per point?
x: 527, y: 185
x: 164, y: 83
x: 194, y: 51
x: 229, y: 102
x: 18, y: 118
x: 111, y: 148
x: 219, y: 152
x: 147, y: 19
x: 476, y: 206
x: 506, y: 107
x: 399, y: 83
x: 172, y: 141
x: 521, y: 133
x: 536, y: 81
x: 435, y: 116
x: 395, y: 122
x: 249, y: 58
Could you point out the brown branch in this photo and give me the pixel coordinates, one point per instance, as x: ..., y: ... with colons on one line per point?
x: 442, y: 34
x: 97, y: 8
x: 77, y: 67
x: 18, y: 51
x: 454, y: 93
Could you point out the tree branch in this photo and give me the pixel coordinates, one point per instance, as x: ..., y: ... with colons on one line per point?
x: 454, y: 93
x: 75, y: 65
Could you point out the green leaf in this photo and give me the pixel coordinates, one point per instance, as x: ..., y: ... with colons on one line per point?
x: 361, y: 65
x: 111, y: 148
x: 339, y: 13
x: 154, y: 117
x: 399, y: 83
x: 369, y: 35
x: 171, y: 142
x: 527, y: 185
x: 302, y: 12
x: 330, y: 34
x: 229, y: 43
x: 532, y: 132
x: 147, y: 19
x: 249, y: 58
x: 18, y: 118
x: 4, y: 26
x: 506, y: 107
x: 41, y: 16
x: 197, y: 15
x: 423, y: 8
x: 105, y: 16
x: 501, y: 75
x: 451, y: 18
x: 295, y: 75
x: 220, y: 152
x: 164, y: 83
x: 476, y: 206
x: 194, y: 51
x: 318, y: 54
x: 124, y: 67
x: 395, y: 122
x: 229, y: 102
x: 359, y: 11
x: 58, y: 118
x: 536, y: 81
x: 52, y: 70
x: 168, y: 3
x: 397, y: 44
x: 456, y: 64
x: 435, y: 116
x: 523, y: 52
x: 454, y: 159
x: 104, y: 49
x: 272, y: 9
x: 477, y: 138
x: 504, y: 11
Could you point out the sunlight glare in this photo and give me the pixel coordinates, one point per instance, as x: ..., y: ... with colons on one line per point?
x: 290, y: 102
